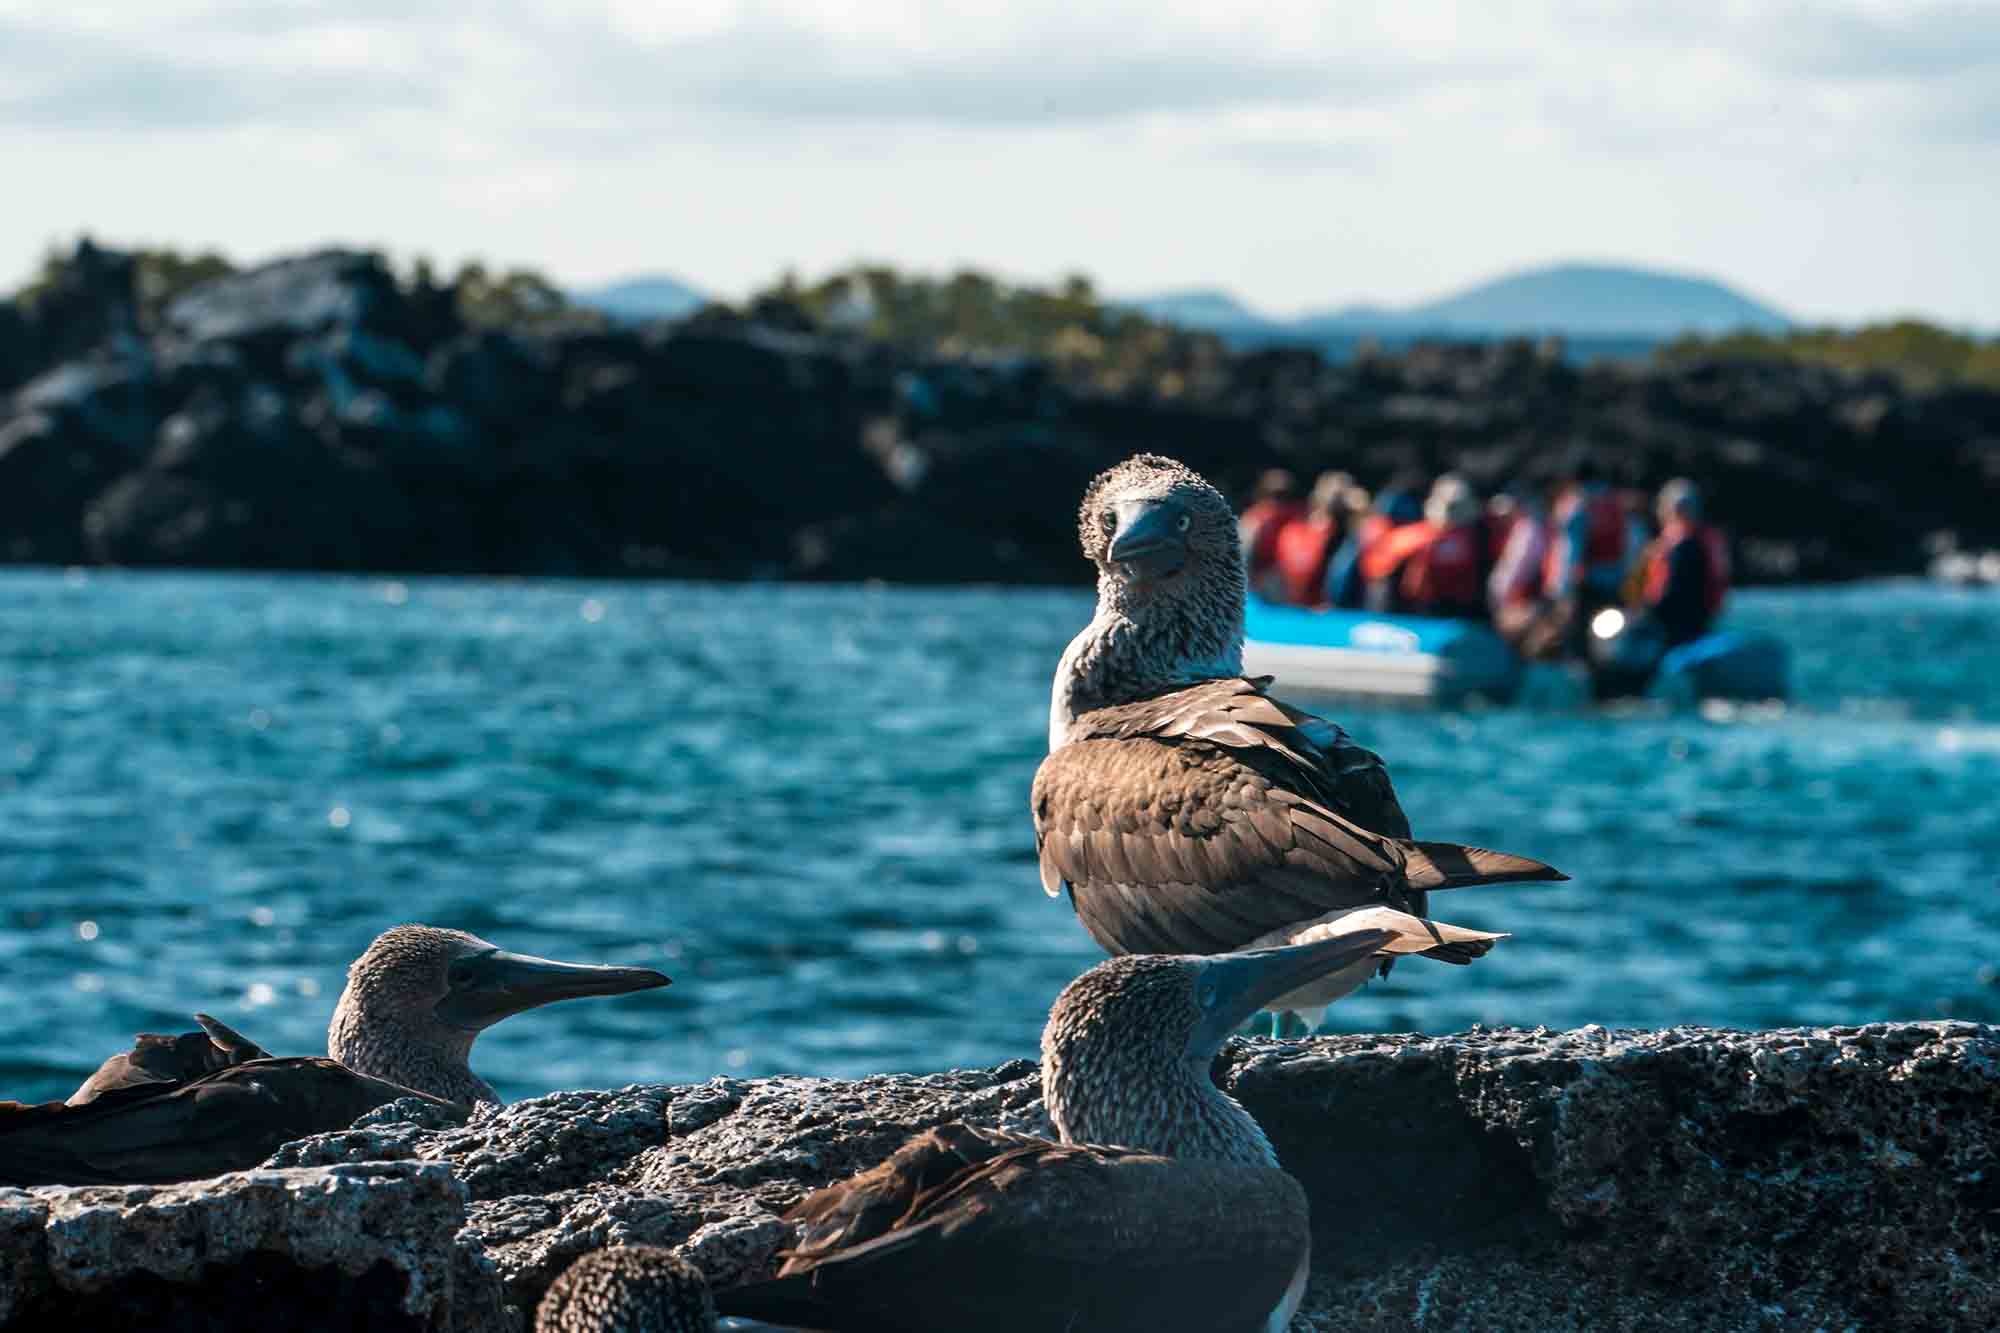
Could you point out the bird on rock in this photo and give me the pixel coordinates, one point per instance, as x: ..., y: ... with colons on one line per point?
x: 1160, y: 1206
x: 1182, y: 807
x: 197, y: 1105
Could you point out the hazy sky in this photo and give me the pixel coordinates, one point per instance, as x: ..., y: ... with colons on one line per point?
x: 1840, y: 158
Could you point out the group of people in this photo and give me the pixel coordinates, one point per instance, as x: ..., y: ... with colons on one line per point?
x: 1538, y: 567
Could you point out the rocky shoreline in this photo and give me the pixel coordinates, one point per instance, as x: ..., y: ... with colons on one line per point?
x: 1493, y: 1179
x: 319, y: 414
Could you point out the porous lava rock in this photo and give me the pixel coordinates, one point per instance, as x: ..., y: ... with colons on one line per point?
x: 1491, y: 1179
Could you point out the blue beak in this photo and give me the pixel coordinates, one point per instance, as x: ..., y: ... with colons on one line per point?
x: 1242, y: 983
x: 1149, y: 540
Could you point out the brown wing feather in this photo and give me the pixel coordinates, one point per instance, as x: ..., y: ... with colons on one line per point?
x: 979, y: 1230
x: 1201, y: 818
x: 158, y: 1058
x: 157, y: 1133
x: 1183, y: 847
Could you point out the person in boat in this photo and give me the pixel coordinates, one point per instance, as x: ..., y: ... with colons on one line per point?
x: 1306, y: 544
x: 1438, y: 565
x: 1591, y: 548
x: 1275, y: 503
x: 1523, y: 614
x: 1398, y: 505
x: 1684, y: 574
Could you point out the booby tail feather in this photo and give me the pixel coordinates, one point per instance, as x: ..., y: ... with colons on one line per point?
x: 1447, y: 865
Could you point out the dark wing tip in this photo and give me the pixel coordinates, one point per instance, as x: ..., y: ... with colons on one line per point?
x: 1450, y: 865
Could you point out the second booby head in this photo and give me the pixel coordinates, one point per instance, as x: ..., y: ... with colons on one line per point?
x: 421, y: 995
x: 181, y: 1108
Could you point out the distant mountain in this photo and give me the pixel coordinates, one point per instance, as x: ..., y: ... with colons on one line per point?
x: 635, y: 300
x: 1576, y: 300
x: 1198, y: 308
x: 1590, y: 299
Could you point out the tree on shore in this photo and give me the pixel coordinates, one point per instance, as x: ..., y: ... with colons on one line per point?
x: 1921, y: 354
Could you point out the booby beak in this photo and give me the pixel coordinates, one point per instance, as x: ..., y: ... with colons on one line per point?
x: 1151, y: 539
x: 487, y: 987
x: 1234, y: 986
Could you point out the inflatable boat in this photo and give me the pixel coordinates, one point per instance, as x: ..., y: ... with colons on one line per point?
x: 1424, y: 659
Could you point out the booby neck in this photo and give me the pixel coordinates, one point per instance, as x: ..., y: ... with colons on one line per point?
x: 1132, y: 650
x: 428, y: 1056
x: 1174, y: 1110
x: 1120, y: 1067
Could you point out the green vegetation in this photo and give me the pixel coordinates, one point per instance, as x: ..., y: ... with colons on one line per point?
x: 158, y: 275
x: 971, y: 314
x: 497, y: 298
x: 1923, y: 355
x: 511, y: 298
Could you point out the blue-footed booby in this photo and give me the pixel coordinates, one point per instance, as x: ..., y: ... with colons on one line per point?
x: 1159, y: 1207
x: 1184, y: 809
x: 181, y: 1108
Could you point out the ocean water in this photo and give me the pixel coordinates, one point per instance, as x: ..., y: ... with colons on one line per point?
x: 809, y: 806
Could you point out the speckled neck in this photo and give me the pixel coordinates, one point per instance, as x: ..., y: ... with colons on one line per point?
x: 430, y: 1058
x: 1105, y: 1092
x: 1140, y: 642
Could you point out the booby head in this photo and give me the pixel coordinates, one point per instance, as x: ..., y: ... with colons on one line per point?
x: 420, y: 995
x: 1157, y: 531
x: 629, y: 1289
x: 1128, y: 1046
x: 1170, y: 589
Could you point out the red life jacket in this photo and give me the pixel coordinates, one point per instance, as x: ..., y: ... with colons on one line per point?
x: 1604, y: 544
x: 1449, y: 572
x: 1304, y: 546
x: 1659, y: 561
x: 1260, y: 524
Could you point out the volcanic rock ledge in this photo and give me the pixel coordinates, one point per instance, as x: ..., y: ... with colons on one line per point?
x: 320, y: 413
x: 1493, y: 1179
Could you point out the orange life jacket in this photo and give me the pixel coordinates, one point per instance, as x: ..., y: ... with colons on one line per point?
x: 1382, y: 556
x: 1304, y: 546
x: 1659, y: 561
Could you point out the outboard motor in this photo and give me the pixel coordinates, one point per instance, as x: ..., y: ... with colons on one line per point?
x: 1624, y: 652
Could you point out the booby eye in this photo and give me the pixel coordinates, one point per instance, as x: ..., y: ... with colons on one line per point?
x: 1108, y: 520
x: 1183, y: 523
x: 1204, y: 995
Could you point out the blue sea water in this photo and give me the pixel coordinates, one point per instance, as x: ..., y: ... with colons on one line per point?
x: 809, y: 805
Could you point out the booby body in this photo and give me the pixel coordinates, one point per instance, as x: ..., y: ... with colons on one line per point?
x: 1184, y: 809
x: 1159, y: 1206
x: 181, y: 1108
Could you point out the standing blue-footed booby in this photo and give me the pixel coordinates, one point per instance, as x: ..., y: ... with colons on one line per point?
x: 181, y: 1108
x: 1183, y: 808
x: 1160, y: 1207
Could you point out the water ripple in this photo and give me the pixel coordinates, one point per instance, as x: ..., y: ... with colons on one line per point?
x: 809, y: 805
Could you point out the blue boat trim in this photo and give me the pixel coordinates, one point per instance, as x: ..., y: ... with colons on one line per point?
x: 1334, y: 651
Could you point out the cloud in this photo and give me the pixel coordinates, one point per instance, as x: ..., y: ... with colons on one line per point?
x: 1620, y: 75
x: 65, y: 78
x: 1031, y: 132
